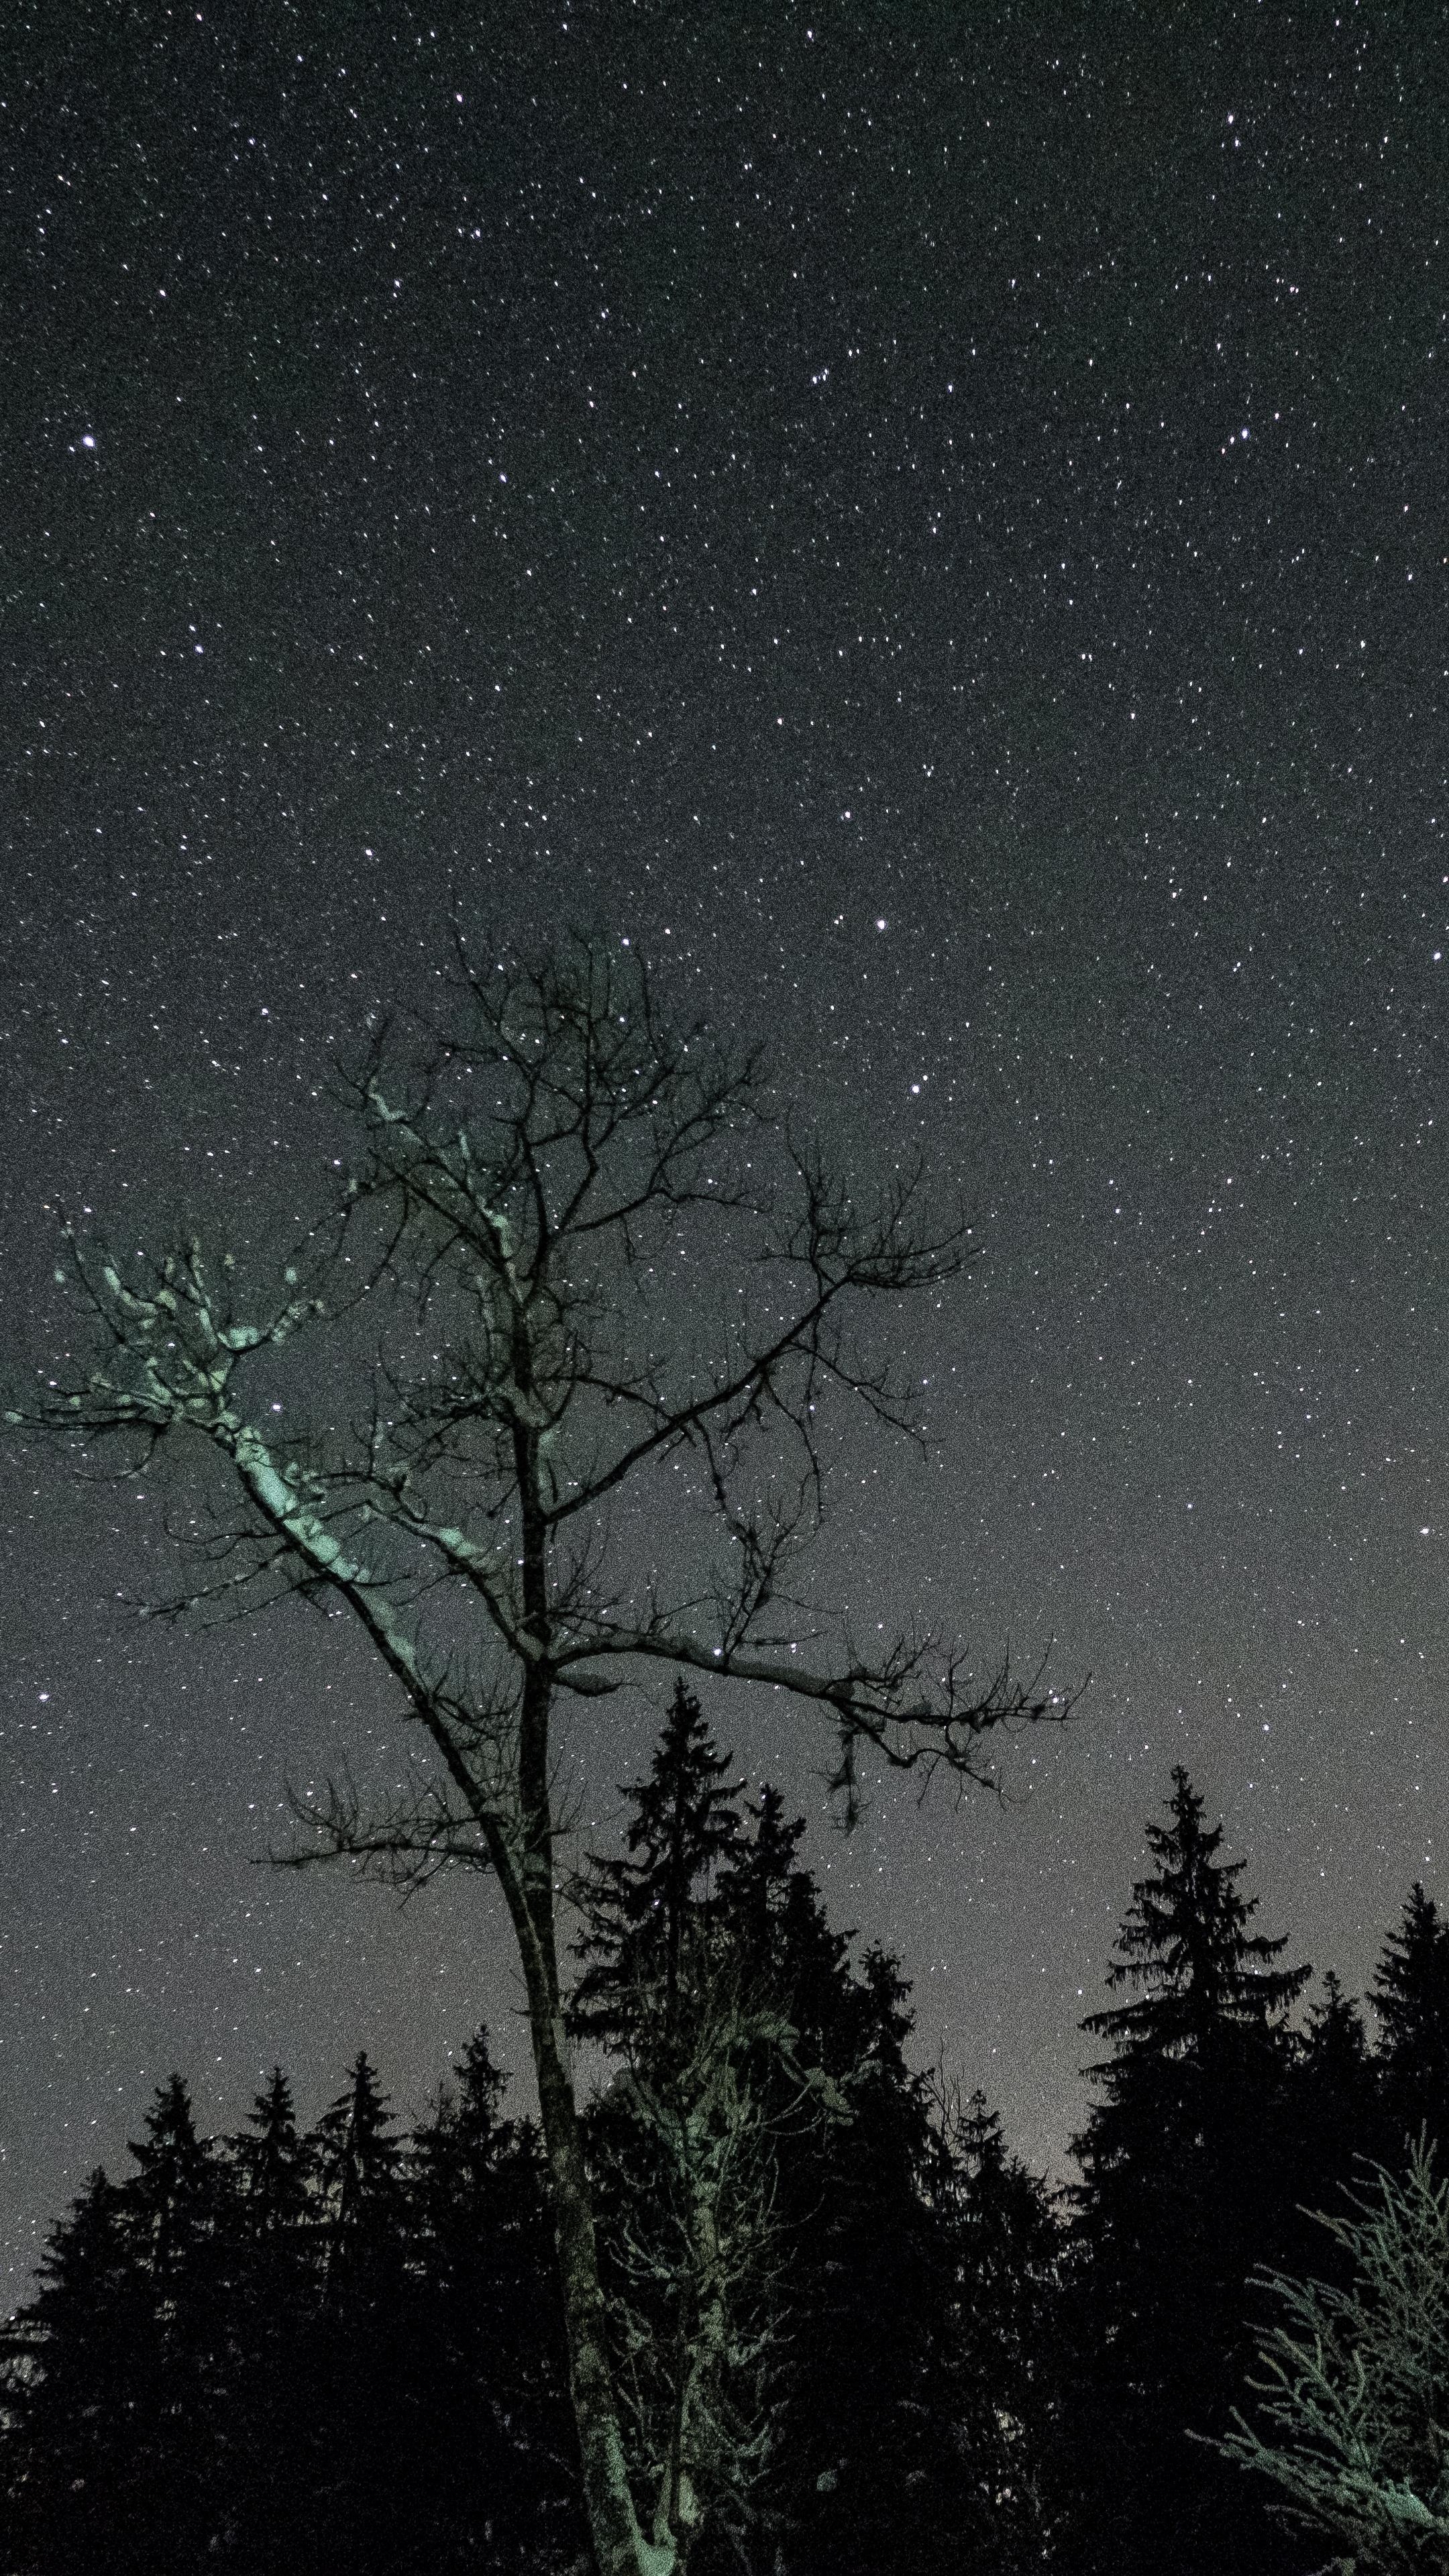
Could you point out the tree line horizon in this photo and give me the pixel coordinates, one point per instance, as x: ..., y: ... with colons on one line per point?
x: 582, y: 1318
x: 350, y: 2334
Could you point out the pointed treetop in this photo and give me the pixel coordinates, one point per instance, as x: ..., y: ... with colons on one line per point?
x: 466, y: 2108
x: 173, y: 2161
x: 763, y: 1866
x: 274, y: 2162
x: 684, y: 1815
x: 465, y: 2141
x: 85, y: 2246
x: 357, y: 2145
x: 271, y: 2112
x: 1410, y: 1991
x: 1335, y: 2037
x: 480, y: 2084
x: 1187, y: 1946
x: 978, y: 2137
x: 772, y: 1909
x: 360, y: 2113
x: 1410, y: 1997
x: 683, y: 1828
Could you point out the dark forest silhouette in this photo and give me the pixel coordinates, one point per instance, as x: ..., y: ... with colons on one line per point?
x: 852, y: 2332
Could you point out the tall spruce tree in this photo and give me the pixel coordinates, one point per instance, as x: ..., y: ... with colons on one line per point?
x: 503, y: 2476
x: 173, y: 2193
x: 121, y: 2445
x: 273, y: 2163
x: 639, y: 1910
x: 369, y: 2439
x: 1187, y: 2185
x: 1335, y: 2055
x: 1337, y: 2124
x: 773, y: 1914
x: 275, y: 2265
x: 1005, y: 2243
x: 175, y: 2204
x: 78, y: 2439
x: 871, y: 2462
x: 1410, y: 1997
x: 359, y: 2161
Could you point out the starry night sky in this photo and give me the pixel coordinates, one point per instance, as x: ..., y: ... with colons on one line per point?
x: 931, y: 521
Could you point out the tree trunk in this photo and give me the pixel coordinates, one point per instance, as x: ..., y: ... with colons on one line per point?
x: 620, y: 2545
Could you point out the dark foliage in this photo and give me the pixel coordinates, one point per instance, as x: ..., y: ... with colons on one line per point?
x: 1410, y: 1997
x: 276, y: 2353
x: 1006, y: 2249
x: 874, y: 2312
x: 639, y: 1911
x: 1187, y: 2187
x: 855, y: 2335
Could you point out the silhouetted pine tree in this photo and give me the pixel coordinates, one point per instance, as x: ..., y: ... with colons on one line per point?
x: 275, y: 2266
x: 771, y: 1909
x: 1187, y: 2183
x: 679, y: 2141
x: 273, y: 2165
x: 636, y: 1911
x: 173, y: 2194
x: 364, y: 2354
x: 1338, y: 2124
x: 1006, y: 2245
x: 858, y: 2377
x: 123, y: 2442
x: 1335, y: 2057
x: 503, y: 2481
x: 1410, y: 1997
x: 872, y: 2459
x: 359, y: 2163
x: 77, y: 2431
x: 175, y: 2205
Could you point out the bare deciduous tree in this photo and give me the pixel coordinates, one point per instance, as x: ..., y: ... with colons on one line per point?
x: 624, y: 1286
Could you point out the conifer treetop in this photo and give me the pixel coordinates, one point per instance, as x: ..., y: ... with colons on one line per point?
x: 1186, y: 1944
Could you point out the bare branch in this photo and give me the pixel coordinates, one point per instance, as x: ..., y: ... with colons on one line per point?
x: 621, y: 1281
x: 402, y: 1842
x: 887, y: 1703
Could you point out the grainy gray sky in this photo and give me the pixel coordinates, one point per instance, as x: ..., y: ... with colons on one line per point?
x: 932, y: 524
